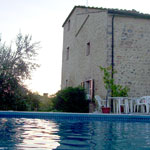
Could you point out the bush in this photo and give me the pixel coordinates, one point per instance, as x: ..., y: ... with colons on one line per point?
x: 71, y: 100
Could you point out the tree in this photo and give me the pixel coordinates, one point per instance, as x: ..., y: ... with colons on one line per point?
x: 16, y: 65
x: 116, y: 90
x: 33, y: 101
x: 18, y: 60
x: 46, y: 103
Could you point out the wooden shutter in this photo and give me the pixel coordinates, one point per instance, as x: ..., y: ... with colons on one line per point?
x: 91, y: 88
x: 82, y: 84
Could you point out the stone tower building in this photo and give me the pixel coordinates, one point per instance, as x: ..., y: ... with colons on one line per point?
x: 96, y: 37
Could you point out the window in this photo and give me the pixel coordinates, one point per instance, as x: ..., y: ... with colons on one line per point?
x: 89, y: 87
x: 88, y: 49
x: 66, y: 83
x: 67, y: 54
x: 68, y: 24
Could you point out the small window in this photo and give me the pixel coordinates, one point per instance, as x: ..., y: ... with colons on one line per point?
x: 88, y: 49
x: 68, y: 25
x: 66, y: 83
x: 67, y: 54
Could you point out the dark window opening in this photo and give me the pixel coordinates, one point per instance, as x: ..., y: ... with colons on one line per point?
x: 88, y: 49
x: 67, y: 55
x: 66, y: 83
x: 68, y: 25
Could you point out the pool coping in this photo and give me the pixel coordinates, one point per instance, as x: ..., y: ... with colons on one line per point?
x: 76, y: 116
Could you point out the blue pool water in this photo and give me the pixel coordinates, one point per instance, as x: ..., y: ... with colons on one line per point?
x: 45, y: 134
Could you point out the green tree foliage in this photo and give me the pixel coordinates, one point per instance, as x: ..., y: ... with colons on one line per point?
x: 109, y: 83
x: 16, y: 64
x: 46, y: 103
x: 33, y: 101
x: 71, y: 100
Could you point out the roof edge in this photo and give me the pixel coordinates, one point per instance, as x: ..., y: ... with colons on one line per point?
x: 130, y: 13
x: 123, y: 12
x: 69, y: 15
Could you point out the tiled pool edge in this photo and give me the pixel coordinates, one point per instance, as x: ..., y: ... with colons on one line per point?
x: 76, y: 116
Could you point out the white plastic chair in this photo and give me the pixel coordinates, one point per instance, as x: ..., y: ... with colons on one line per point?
x: 131, y: 104
x: 101, y: 103
x: 143, y: 102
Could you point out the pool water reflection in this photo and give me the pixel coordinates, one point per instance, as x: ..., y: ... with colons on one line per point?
x: 28, y: 134
x: 44, y: 134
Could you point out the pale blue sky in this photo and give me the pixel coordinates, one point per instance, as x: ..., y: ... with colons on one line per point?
x: 43, y: 20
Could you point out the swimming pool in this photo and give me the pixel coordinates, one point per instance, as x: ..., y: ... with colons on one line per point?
x: 25, y: 131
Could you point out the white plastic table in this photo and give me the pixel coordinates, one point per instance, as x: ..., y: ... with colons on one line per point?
x: 129, y: 103
x: 117, y: 102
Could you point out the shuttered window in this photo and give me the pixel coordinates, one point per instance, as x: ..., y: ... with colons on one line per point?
x: 89, y: 87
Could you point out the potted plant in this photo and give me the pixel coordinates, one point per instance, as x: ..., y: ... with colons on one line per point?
x: 108, y: 81
x: 106, y: 109
x: 113, y: 90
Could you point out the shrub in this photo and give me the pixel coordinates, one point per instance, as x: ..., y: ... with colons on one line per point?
x: 70, y: 100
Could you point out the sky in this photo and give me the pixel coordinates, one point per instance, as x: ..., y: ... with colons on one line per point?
x: 43, y: 20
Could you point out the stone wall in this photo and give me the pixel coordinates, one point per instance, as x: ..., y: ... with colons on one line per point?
x: 88, y: 27
x: 131, y: 50
x: 132, y: 54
